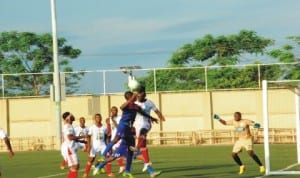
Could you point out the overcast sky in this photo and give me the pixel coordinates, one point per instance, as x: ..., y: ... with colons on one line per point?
x: 114, y: 33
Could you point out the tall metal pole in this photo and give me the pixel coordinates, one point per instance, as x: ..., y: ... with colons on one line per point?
x: 56, y: 76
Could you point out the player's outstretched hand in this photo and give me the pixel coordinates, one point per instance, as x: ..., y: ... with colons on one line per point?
x: 256, y: 125
x: 11, y: 153
x: 154, y: 120
x: 216, y: 116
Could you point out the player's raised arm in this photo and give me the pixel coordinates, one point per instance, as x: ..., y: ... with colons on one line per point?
x: 217, y: 117
x: 253, y: 123
x: 9, y: 148
x: 160, y: 115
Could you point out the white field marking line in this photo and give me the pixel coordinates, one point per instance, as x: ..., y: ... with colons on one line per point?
x: 59, y: 174
x: 284, y: 169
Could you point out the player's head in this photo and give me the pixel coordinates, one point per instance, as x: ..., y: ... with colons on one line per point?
x: 82, y: 122
x: 114, y: 111
x: 128, y: 95
x: 237, y: 116
x: 98, y: 118
x: 141, y: 96
x: 68, y: 117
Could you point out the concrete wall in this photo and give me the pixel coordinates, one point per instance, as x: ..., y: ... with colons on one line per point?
x: 190, y: 111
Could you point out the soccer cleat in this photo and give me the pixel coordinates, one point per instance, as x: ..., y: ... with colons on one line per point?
x: 155, y: 174
x: 62, y: 167
x: 146, y: 167
x: 85, y: 175
x: 111, y: 175
x: 242, y: 169
x: 102, y: 170
x: 262, y: 169
x: 127, y: 174
x: 96, y: 171
x: 122, y: 169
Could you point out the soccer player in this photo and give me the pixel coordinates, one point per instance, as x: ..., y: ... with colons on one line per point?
x: 4, y: 137
x: 143, y: 125
x: 245, y: 140
x: 124, y: 130
x: 70, y: 146
x: 97, y: 136
x: 81, y: 130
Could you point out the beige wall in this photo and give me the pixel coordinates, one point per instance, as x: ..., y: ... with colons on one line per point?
x: 188, y: 111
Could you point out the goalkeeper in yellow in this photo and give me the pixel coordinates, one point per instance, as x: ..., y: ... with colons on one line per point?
x: 245, y: 139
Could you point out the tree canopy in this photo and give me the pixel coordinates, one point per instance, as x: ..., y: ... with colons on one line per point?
x: 27, y: 52
x: 214, y: 52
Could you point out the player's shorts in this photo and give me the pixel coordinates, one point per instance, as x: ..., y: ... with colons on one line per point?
x: 64, y: 151
x: 81, y: 146
x: 121, y: 151
x: 116, y: 146
x: 140, y: 126
x: 141, y: 131
x: 241, y: 144
x: 97, y: 150
x: 72, y: 157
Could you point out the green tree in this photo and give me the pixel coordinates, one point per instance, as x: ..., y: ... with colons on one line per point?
x: 26, y: 52
x: 220, y: 50
x: 286, y: 54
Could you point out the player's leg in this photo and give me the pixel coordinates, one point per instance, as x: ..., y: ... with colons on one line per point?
x: 64, y: 153
x: 120, y: 160
x: 89, y: 164
x: 249, y: 147
x: 142, y: 146
x: 73, y: 163
x: 130, y: 141
x: 236, y: 149
x: 120, y: 132
x: 108, y: 164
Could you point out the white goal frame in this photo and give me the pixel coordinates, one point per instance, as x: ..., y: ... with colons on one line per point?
x: 266, y: 128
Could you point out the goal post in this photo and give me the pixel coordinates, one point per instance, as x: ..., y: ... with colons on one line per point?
x: 265, y: 99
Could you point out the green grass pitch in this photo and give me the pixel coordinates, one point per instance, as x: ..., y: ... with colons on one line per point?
x: 175, y: 162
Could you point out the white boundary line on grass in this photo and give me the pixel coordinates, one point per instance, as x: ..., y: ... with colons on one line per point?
x: 55, y: 175
x: 284, y: 169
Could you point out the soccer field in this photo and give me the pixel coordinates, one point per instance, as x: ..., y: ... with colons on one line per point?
x: 194, y: 161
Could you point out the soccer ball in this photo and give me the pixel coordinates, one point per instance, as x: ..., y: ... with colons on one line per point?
x: 133, y: 84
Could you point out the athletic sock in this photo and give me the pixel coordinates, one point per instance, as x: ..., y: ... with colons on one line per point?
x: 108, y: 148
x: 120, y: 162
x: 256, y: 159
x: 73, y: 174
x: 88, y: 168
x: 237, y: 159
x: 145, y: 155
x: 108, y: 168
x: 128, y: 161
x: 101, y: 165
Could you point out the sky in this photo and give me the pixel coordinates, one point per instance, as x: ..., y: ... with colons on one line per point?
x: 114, y: 33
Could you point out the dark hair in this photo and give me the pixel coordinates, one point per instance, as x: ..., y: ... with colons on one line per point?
x: 114, y: 107
x: 141, y: 89
x: 238, y: 113
x: 65, y: 115
x: 98, y: 114
x: 128, y: 94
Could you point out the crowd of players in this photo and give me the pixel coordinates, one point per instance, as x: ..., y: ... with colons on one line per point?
x: 112, y: 139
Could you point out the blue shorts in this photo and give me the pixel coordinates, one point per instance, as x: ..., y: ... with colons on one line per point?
x: 121, y: 151
x: 124, y: 131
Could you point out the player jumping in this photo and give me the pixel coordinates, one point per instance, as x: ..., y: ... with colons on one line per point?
x: 143, y: 125
x: 245, y: 140
x: 124, y: 130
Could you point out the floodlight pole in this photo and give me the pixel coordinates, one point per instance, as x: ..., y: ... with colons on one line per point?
x: 297, y: 123
x: 266, y: 125
x: 56, y: 76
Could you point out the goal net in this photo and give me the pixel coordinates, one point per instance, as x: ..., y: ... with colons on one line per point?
x: 281, y: 123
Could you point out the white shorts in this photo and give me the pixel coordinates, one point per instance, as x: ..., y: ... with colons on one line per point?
x: 139, y: 127
x: 97, y: 150
x: 72, y: 157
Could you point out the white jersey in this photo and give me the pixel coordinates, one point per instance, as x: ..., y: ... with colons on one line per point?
x: 69, y: 130
x: 143, y: 121
x: 97, y: 135
x: 113, y: 128
x: 79, y: 131
x: 2, y: 134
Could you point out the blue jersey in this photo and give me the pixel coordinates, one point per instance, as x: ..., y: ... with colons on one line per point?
x: 129, y: 113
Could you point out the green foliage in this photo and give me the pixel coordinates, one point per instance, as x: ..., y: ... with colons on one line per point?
x: 26, y: 52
